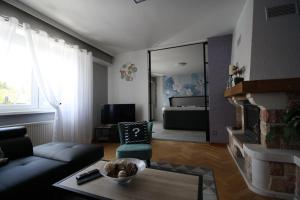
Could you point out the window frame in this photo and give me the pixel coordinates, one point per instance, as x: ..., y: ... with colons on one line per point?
x: 35, y: 105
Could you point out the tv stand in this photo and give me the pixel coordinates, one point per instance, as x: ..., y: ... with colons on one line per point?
x: 106, y: 133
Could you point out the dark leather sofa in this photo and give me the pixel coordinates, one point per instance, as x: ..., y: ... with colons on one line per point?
x: 30, y: 172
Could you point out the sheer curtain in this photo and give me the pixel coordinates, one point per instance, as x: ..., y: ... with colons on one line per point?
x: 63, y: 74
x: 7, y: 32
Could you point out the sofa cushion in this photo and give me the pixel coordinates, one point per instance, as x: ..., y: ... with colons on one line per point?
x: 135, y: 132
x: 27, y: 172
x: 141, y: 151
x: 70, y: 152
x: 15, y: 148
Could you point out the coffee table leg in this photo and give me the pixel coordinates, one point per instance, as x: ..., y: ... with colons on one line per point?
x: 148, y: 163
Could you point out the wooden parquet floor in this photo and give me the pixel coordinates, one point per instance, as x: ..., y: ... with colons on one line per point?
x: 230, y: 184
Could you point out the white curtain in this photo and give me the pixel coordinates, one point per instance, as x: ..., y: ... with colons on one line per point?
x: 7, y: 31
x: 64, y: 75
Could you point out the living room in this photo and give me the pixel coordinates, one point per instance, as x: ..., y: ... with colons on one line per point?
x: 75, y: 95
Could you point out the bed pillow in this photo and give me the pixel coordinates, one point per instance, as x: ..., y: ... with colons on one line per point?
x: 135, y: 132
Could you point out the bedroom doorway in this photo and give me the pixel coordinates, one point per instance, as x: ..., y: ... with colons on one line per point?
x: 178, y: 96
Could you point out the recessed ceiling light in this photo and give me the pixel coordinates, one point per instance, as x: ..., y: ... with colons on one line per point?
x: 138, y: 1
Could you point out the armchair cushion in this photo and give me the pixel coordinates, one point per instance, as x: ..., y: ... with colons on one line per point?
x: 141, y: 151
x: 135, y: 132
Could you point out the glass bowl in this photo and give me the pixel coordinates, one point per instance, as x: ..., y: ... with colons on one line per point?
x: 141, y: 165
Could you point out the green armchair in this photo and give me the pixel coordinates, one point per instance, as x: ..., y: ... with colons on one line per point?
x: 139, y: 150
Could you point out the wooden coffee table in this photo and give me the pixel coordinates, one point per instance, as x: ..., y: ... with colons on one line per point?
x: 148, y: 184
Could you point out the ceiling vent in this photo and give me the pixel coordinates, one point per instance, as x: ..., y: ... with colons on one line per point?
x: 138, y: 1
x: 286, y: 9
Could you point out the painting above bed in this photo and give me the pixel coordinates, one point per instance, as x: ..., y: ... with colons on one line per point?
x: 183, y: 85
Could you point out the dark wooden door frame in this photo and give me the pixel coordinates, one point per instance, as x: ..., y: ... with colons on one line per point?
x: 205, y: 44
x: 205, y: 63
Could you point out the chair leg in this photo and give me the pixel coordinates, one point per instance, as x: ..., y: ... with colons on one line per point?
x: 148, y: 163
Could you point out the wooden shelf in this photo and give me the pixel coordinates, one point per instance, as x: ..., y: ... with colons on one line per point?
x: 264, y: 86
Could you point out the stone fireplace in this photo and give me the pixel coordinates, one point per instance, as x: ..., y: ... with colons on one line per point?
x: 251, y: 118
x: 269, y: 167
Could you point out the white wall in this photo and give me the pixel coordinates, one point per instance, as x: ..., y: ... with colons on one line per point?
x: 221, y: 112
x: 99, y: 91
x: 268, y: 49
x: 136, y: 91
x: 242, y: 39
x: 276, y: 43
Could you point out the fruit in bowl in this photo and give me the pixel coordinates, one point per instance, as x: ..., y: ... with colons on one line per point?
x: 122, y: 170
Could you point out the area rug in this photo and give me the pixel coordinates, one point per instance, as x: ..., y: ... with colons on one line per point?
x: 209, y: 189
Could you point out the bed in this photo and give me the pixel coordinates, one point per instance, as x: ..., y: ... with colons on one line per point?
x: 186, y: 113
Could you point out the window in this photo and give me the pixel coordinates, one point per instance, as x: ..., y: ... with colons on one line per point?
x: 18, y: 90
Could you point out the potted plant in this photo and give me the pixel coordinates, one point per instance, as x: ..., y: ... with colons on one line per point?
x: 273, y: 139
x: 238, y: 72
x: 287, y: 137
x: 291, y: 133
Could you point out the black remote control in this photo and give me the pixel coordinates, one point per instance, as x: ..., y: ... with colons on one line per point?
x: 87, y: 174
x: 88, y: 178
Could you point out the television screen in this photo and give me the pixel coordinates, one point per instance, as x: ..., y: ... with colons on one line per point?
x: 114, y: 113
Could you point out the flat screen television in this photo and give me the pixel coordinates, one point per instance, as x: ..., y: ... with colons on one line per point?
x: 114, y: 113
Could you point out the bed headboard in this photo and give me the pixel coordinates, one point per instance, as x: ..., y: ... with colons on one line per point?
x: 188, y: 101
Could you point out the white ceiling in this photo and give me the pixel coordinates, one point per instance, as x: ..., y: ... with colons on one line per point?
x: 122, y: 25
x: 165, y: 62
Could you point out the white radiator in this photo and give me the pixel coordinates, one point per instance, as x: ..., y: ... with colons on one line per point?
x: 40, y: 133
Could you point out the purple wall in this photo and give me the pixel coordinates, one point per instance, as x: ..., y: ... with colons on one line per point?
x: 221, y: 112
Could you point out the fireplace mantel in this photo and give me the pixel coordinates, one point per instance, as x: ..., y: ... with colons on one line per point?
x: 264, y: 86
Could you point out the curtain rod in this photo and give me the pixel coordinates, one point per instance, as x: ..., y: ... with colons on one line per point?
x: 37, y: 31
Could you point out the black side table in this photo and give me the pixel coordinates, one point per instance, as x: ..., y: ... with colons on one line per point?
x: 106, y: 133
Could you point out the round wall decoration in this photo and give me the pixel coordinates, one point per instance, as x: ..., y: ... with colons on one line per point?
x: 128, y: 71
